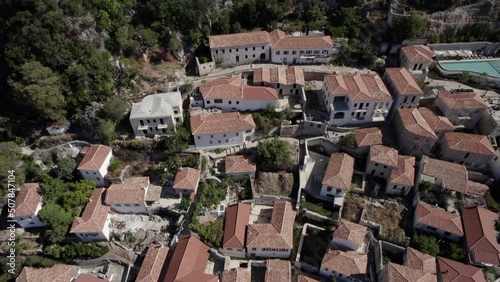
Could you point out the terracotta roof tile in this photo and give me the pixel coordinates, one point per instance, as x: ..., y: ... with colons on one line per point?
x: 358, y: 87
x: 189, y: 261
x: 307, y: 278
x: 278, y: 233
x: 421, y: 261
x: 284, y: 76
x: 414, y: 122
x: 187, y: 178
x: 238, y: 39
x: 84, y: 277
x: 403, y: 81
x: 461, y: 101
x: 384, y: 155
x: 368, y: 136
x: 339, y: 171
x: 476, y: 189
x: 417, y: 53
x: 233, y: 88
x: 303, y: 42
x: 278, y: 271
x: 452, y: 176
x: 132, y: 190
x: 239, y: 164
x: 404, y: 173
x: 439, y: 218
x: 275, y: 36
x: 57, y: 273
x: 400, y: 273
x: 27, y: 199
x: 470, y: 143
x: 480, y: 235
x: 94, y: 157
x: 236, y: 275
x: 454, y: 271
x: 259, y: 93
x: 153, y: 263
x: 351, y: 231
x: 436, y: 122
x: 219, y: 123
x: 348, y: 263
x: 237, y: 219
x: 94, y: 215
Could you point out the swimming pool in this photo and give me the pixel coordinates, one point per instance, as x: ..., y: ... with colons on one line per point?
x: 490, y: 67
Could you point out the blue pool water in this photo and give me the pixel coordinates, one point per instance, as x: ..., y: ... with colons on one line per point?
x: 490, y: 67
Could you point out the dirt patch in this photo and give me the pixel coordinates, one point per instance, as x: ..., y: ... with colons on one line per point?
x: 274, y: 183
x: 353, y: 205
x: 390, y: 217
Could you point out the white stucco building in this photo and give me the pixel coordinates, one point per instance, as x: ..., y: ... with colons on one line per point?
x: 237, y: 217
x: 156, y: 114
x: 307, y: 50
x: 95, y: 163
x: 337, y: 178
x: 382, y: 160
x: 232, y: 95
x: 350, y: 236
x: 134, y: 195
x: 93, y: 224
x: 28, y: 204
x: 240, y: 48
x: 416, y: 59
x: 402, y: 177
x: 438, y: 221
x: 355, y: 99
x: 186, y: 181
x: 224, y: 130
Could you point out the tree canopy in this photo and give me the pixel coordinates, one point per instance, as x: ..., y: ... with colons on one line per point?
x: 274, y: 153
x: 411, y: 27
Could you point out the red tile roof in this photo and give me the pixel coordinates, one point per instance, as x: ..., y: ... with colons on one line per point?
x: 400, y: 273
x: 278, y: 233
x: 480, y: 235
x: 275, y: 36
x: 414, y: 122
x: 237, y: 219
x: 436, y: 122
x: 279, y: 75
x: 358, y: 87
x: 454, y: 271
x: 461, y: 101
x: 351, y: 231
x: 189, y: 261
x: 470, y: 143
x: 339, y: 171
x: 94, y: 215
x: 237, y: 275
x: 348, y: 263
x: 233, y: 88
x: 220, y: 123
x: 187, y: 178
x: 368, y: 136
x: 383, y: 155
x: 439, y: 218
x: 417, y: 53
x: 132, y: 190
x: 239, y: 164
x: 94, y: 157
x: 153, y: 263
x: 453, y: 176
x: 27, y: 199
x: 278, y: 271
x: 476, y: 189
x: 307, y: 278
x: 88, y: 278
x: 403, y: 81
x: 238, y: 39
x: 57, y: 273
x: 421, y: 261
x: 404, y: 173
x: 304, y: 42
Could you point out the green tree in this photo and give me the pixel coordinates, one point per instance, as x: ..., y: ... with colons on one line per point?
x: 411, y: 27
x: 348, y: 22
x: 456, y: 252
x: 10, y: 157
x: 185, y: 203
x: 177, y: 142
x: 65, y: 168
x: 57, y: 219
x: 274, y: 153
x: 39, y: 261
x: 105, y: 130
x: 39, y: 89
x: 348, y: 141
x: 114, y: 109
x: 426, y: 244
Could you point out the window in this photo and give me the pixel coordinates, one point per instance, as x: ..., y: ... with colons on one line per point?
x: 176, y: 112
x: 301, y: 51
x: 208, y: 101
x: 148, y: 121
x: 141, y: 122
x: 237, y: 102
x: 237, y: 134
x: 325, y: 52
x: 385, y: 166
x: 262, y: 47
x: 447, y: 233
x: 154, y: 121
x: 254, y: 55
x: 277, y: 52
x: 337, y: 192
x: 466, y: 155
x: 246, y: 56
x: 229, y: 102
x: 236, y: 49
x: 254, y: 48
x: 230, y: 50
x: 294, y: 52
x: 229, y: 249
x: 328, y: 189
x: 430, y: 228
x: 381, y: 174
x: 199, y: 137
x: 223, y: 51
x: 136, y: 205
x: 95, y: 173
x: 285, y: 52
x: 216, y: 51
x: 127, y: 205
x: 98, y: 179
x: 211, y: 142
x: 118, y: 205
x: 308, y: 52
x: 246, y: 49
x: 218, y: 101
x: 376, y: 164
x: 219, y: 141
x: 316, y: 52
x: 248, y: 131
x: 227, y: 140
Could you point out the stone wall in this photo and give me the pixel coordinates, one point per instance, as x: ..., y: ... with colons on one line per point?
x: 204, y: 69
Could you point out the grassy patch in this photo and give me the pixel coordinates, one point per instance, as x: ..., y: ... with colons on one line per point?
x: 317, y: 208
